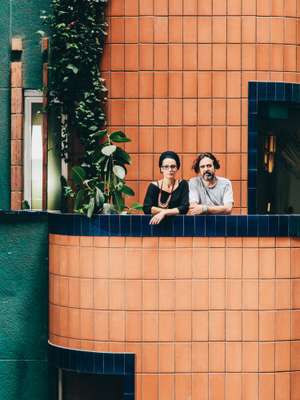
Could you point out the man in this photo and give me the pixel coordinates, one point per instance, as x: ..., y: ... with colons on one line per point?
x: 209, y: 194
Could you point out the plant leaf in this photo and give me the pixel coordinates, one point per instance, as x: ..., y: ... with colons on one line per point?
x: 25, y: 205
x: 119, y: 171
x: 99, y: 197
x: 119, y: 137
x: 127, y: 190
x: 119, y: 201
x: 73, y: 68
x: 78, y: 175
x: 137, y: 206
x: 100, y: 134
x: 91, y: 207
x: 97, y: 155
x: 79, y: 199
x: 106, y: 165
x: 109, y: 149
x: 122, y: 156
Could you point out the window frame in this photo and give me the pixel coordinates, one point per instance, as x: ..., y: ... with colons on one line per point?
x: 260, y: 92
x: 30, y: 97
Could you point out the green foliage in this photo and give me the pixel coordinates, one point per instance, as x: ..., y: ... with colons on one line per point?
x: 25, y: 205
x: 137, y: 206
x: 78, y: 95
x: 77, y: 36
x: 93, y: 194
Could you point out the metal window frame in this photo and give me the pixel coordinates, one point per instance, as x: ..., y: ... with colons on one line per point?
x: 30, y: 97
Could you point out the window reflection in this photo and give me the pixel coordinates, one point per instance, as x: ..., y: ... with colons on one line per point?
x: 37, y: 157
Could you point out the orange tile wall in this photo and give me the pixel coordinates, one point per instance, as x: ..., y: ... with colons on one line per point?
x: 16, y: 134
x: 208, y: 318
x: 178, y: 71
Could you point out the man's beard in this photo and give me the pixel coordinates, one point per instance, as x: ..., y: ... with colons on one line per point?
x: 208, y: 176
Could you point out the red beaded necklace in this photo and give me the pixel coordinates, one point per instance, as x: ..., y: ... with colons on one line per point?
x: 160, y: 203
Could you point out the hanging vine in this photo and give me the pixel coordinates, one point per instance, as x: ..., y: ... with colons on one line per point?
x: 78, y: 31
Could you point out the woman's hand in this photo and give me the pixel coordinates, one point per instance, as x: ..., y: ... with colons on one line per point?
x: 157, y: 218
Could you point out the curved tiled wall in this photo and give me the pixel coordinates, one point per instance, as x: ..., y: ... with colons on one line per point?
x: 208, y: 318
x: 178, y: 73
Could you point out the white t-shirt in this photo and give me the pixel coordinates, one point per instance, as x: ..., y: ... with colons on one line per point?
x: 220, y: 194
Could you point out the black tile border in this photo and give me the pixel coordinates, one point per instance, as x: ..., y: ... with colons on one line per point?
x: 121, y: 364
x: 28, y: 213
x: 12, y: 216
x: 179, y: 226
x: 259, y: 92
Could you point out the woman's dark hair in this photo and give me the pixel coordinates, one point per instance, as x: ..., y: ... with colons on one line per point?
x: 195, y: 165
x: 169, y: 154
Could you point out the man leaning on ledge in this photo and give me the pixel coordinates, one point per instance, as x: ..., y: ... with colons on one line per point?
x: 208, y: 193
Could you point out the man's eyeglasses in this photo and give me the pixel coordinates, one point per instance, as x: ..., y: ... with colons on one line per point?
x: 173, y: 166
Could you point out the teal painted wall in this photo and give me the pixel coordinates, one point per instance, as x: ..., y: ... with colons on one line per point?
x: 24, y: 373
x: 4, y: 104
x: 17, y: 18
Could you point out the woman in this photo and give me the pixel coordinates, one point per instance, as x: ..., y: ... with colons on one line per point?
x: 168, y: 196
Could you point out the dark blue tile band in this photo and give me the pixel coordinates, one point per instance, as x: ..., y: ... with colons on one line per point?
x: 210, y: 221
x: 231, y: 225
x: 91, y: 362
x: 179, y: 226
x: 121, y: 364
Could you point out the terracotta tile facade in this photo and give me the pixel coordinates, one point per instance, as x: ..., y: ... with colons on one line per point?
x: 16, y: 107
x: 178, y: 72
x: 208, y: 318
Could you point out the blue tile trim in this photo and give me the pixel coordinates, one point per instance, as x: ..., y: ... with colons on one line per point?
x: 231, y: 225
x: 258, y: 92
x: 263, y: 225
x: 92, y: 362
x: 221, y: 225
x: 252, y: 225
x: 200, y: 226
x: 121, y: 364
x: 262, y: 91
x: 242, y: 226
x: 210, y: 229
x: 179, y: 226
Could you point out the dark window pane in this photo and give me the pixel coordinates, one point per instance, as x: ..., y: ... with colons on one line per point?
x: 92, y: 387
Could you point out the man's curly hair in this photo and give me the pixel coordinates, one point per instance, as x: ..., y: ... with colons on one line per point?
x: 196, y: 162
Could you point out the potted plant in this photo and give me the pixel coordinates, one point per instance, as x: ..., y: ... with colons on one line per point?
x: 105, y: 190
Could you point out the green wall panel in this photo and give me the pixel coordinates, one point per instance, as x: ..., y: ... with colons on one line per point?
x: 24, y: 307
x: 23, y: 380
x: 4, y: 104
x: 4, y: 148
x: 32, y: 67
x: 24, y: 290
x: 25, y: 23
x: 26, y: 16
x: 4, y: 43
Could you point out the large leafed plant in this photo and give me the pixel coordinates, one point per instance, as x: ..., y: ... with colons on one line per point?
x: 77, y: 93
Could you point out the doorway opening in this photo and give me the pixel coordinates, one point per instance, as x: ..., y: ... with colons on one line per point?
x: 81, y: 386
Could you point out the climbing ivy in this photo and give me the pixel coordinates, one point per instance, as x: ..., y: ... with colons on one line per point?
x: 77, y: 92
x: 77, y: 35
